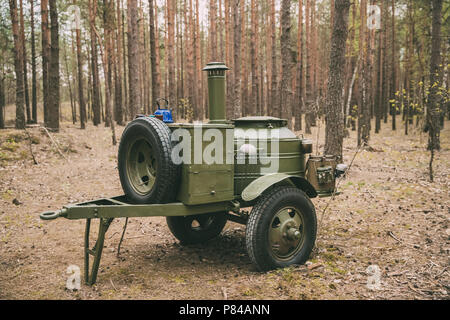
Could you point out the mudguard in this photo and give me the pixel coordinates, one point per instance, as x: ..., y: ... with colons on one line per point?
x: 258, y: 186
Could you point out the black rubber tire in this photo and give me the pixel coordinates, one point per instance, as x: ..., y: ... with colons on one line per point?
x: 257, y: 231
x: 157, y: 134
x: 182, y: 229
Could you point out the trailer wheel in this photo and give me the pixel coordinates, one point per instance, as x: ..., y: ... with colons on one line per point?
x: 197, y: 229
x: 281, y: 229
x: 147, y: 173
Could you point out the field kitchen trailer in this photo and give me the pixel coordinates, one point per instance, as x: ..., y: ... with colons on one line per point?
x: 199, y: 176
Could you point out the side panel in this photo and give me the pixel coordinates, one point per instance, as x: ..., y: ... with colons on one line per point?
x: 206, y: 184
x: 207, y: 174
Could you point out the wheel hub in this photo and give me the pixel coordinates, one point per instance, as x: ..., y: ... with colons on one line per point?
x: 141, y: 166
x: 286, y: 233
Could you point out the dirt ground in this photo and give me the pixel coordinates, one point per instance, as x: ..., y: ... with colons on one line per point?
x: 389, y: 216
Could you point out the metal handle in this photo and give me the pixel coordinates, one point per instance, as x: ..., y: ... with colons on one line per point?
x: 51, y: 215
x: 162, y: 99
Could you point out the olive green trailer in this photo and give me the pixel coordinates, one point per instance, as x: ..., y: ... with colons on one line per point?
x: 199, y: 176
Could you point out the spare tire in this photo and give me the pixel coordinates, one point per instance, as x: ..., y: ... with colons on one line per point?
x: 147, y: 173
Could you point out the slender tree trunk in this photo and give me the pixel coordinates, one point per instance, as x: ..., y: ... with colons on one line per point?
x: 274, y: 80
x: 334, y: 117
x: 53, y: 83
x: 379, y: 95
x: 362, y: 99
x: 2, y: 101
x: 45, y: 58
x: 237, y: 112
x: 118, y: 105
x: 18, y: 66
x: 81, y: 101
x: 170, y: 54
x: 25, y: 69
x: 133, y: 59
x: 244, y: 59
x: 255, y: 105
x: 286, y: 62
x: 33, y: 68
x: 299, y: 87
x: 393, y: 70
x: 213, y: 29
x: 105, y: 56
x: 309, y: 95
x: 96, y: 89
x: 66, y: 65
x: 433, y: 107
x: 198, y: 70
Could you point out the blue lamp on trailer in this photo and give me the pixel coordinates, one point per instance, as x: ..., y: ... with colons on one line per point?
x: 163, y: 114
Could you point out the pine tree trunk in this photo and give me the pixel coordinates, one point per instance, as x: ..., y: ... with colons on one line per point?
x: 96, y: 89
x: 244, y: 60
x: 45, y: 58
x: 118, y: 105
x: 66, y: 65
x: 133, y: 59
x: 334, y: 117
x: 380, y: 74
x: 309, y: 95
x: 2, y: 101
x: 433, y: 107
x: 255, y: 107
x: 298, y: 106
x: 170, y: 54
x: 213, y: 29
x: 393, y: 70
x: 33, y: 68
x: 53, y: 81
x: 18, y: 66
x: 81, y: 101
x: 25, y: 69
x: 237, y: 106
x: 154, y: 70
x: 274, y: 80
x: 286, y: 73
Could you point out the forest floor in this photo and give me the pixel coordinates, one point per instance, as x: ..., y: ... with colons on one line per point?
x: 390, y: 216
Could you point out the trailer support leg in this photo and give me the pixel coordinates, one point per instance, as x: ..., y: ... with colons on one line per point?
x: 96, y: 251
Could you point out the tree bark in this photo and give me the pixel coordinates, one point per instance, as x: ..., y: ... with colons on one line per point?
x: 286, y: 62
x: 53, y: 83
x: 80, y: 78
x: 334, y: 117
x: 133, y: 59
x: 298, y: 106
x: 33, y: 68
x: 393, y: 69
x: 255, y: 105
x: 433, y: 107
x: 170, y: 55
x: 18, y: 66
x: 96, y: 108
x: 213, y: 29
x: 118, y: 104
x: 274, y: 80
x: 237, y: 112
x: 45, y: 58
x: 25, y: 69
